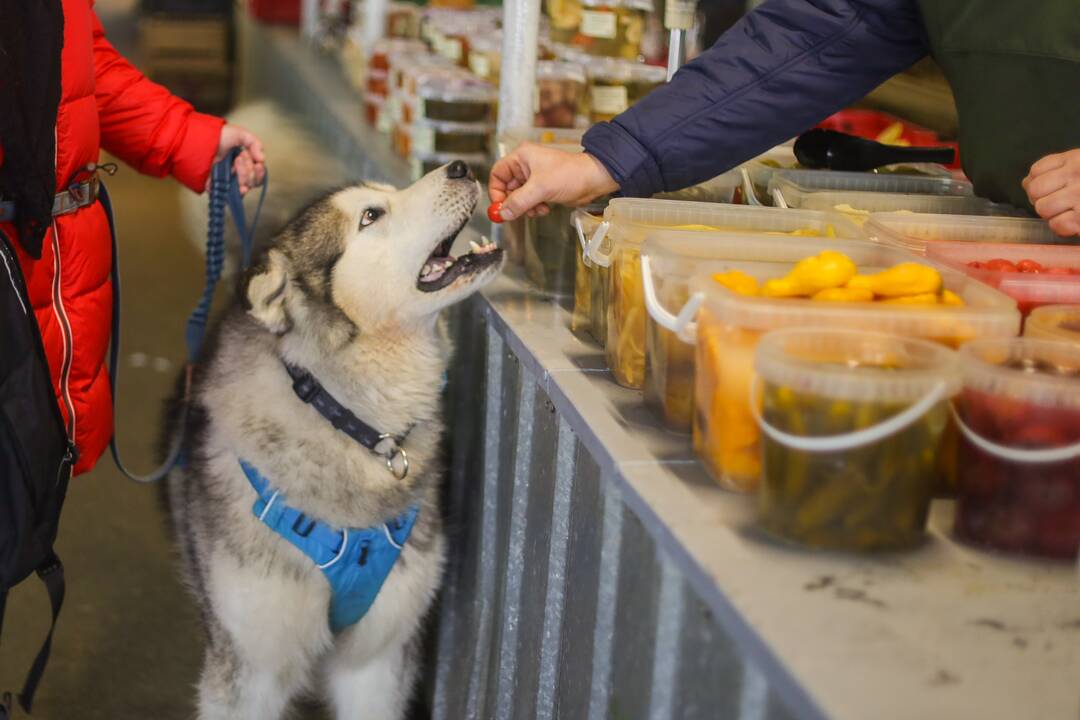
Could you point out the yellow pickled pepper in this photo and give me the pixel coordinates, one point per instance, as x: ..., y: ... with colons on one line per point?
x: 917, y: 299
x: 828, y: 269
x: 737, y: 282
x: 908, y: 278
x: 948, y: 297
x: 843, y: 294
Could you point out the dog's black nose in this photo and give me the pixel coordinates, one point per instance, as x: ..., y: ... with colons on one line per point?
x: 457, y: 170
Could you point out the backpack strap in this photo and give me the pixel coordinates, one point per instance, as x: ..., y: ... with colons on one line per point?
x: 51, y: 573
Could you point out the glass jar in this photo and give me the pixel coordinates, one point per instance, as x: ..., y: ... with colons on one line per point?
x: 426, y: 137
x: 612, y: 28
x: 615, y: 85
x: 565, y: 18
x: 485, y: 57
x: 852, y: 426
x: 560, y: 94
x: 455, y: 97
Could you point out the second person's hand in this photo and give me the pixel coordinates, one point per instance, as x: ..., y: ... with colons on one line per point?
x: 532, y: 176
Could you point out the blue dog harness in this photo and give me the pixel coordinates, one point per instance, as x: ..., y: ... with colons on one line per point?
x: 356, y: 562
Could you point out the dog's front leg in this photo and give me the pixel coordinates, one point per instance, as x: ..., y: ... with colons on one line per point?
x: 378, y: 687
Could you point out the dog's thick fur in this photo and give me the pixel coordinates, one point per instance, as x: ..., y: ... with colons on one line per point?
x: 343, y: 301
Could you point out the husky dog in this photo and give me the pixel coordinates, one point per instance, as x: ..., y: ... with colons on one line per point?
x: 350, y: 292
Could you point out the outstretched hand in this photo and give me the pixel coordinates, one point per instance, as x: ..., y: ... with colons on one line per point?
x: 1053, y: 186
x: 532, y: 176
x: 250, y: 164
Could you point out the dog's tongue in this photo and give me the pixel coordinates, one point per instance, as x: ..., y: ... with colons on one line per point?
x: 435, y: 269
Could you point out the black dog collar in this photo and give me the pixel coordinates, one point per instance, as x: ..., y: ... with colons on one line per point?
x: 311, y: 391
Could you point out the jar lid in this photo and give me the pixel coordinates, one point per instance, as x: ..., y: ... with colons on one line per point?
x: 855, y: 365
x: 555, y: 70
x: 642, y: 5
x: 1036, y: 371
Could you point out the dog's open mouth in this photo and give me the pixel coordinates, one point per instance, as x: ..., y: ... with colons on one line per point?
x: 441, y: 268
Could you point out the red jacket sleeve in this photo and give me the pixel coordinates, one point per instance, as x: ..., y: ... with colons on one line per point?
x: 148, y: 127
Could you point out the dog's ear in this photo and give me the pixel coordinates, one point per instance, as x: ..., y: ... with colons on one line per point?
x: 267, y: 287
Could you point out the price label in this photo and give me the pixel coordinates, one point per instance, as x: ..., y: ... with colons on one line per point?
x: 609, y: 100
x: 480, y: 64
x: 598, y: 24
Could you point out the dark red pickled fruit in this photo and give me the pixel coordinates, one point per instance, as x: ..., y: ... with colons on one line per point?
x: 1043, y: 435
x: 1046, y: 494
x: 980, y: 475
x: 1010, y: 528
x: 1000, y: 265
x: 1029, y: 266
x: 494, y: 212
x: 1059, y: 533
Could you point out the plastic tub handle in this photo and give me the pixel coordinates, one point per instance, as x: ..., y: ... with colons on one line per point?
x: 593, y: 251
x: 1020, y: 455
x: 778, y: 199
x: 748, y: 188
x: 581, y: 238
x: 851, y: 440
x: 680, y: 324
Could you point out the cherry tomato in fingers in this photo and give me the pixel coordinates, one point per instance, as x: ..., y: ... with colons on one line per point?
x: 494, y: 212
x: 1000, y: 265
x: 1029, y: 266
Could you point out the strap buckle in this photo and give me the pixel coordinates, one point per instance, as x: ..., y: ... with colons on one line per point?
x: 395, y: 451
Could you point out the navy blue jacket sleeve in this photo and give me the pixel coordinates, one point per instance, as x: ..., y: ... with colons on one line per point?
x: 781, y: 69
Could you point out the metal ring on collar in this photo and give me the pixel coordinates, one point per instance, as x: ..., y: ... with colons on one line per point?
x: 394, y: 452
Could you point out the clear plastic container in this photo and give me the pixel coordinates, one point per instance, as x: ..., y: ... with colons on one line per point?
x: 915, y: 231
x: 729, y: 325
x: 615, y: 85
x: 455, y: 97
x: 612, y: 28
x: 546, y: 246
x: 853, y: 424
x: 565, y: 18
x: 1019, y: 455
x: 422, y: 164
x: 859, y: 194
x: 1057, y: 281
x: 385, y: 48
x: 425, y: 137
x: 1054, y: 322
x: 590, y: 284
x: 628, y: 221
x: 485, y: 57
x: 560, y: 94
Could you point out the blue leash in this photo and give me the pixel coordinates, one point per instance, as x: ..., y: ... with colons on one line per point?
x: 224, y: 193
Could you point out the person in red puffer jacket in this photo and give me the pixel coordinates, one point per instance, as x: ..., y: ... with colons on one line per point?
x: 102, y: 102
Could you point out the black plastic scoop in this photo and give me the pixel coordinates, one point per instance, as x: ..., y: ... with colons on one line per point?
x: 830, y: 150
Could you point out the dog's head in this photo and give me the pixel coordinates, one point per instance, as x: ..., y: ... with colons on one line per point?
x: 372, y: 256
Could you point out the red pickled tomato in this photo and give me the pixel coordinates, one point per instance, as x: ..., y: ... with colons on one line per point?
x: 1029, y: 266
x: 494, y: 212
x: 976, y: 264
x: 1000, y: 265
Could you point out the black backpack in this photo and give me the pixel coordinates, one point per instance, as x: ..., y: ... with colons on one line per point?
x: 36, y: 458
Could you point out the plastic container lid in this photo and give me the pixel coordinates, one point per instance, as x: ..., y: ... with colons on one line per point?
x: 1054, y: 322
x: 630, y: 220
x: 643, y: 5
x: 556, y: 70
x: 986, y: 312
x: 568, y: 139
x: 455, y: 87
x: 1026, y: 288
x: 819, y: 180
x: 915, y: 231
x: 856, y: 365
x: 985, y: 369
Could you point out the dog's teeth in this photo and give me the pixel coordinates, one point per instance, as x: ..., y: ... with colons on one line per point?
x: 426, y: 270
x: 476, y: 248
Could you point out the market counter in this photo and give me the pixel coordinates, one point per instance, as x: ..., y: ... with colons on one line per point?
x: 597, y: 572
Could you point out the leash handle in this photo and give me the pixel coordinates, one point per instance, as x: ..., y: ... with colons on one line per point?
x: 224, y: 193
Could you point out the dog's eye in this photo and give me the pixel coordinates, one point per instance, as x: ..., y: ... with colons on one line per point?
x: 371, y: 215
